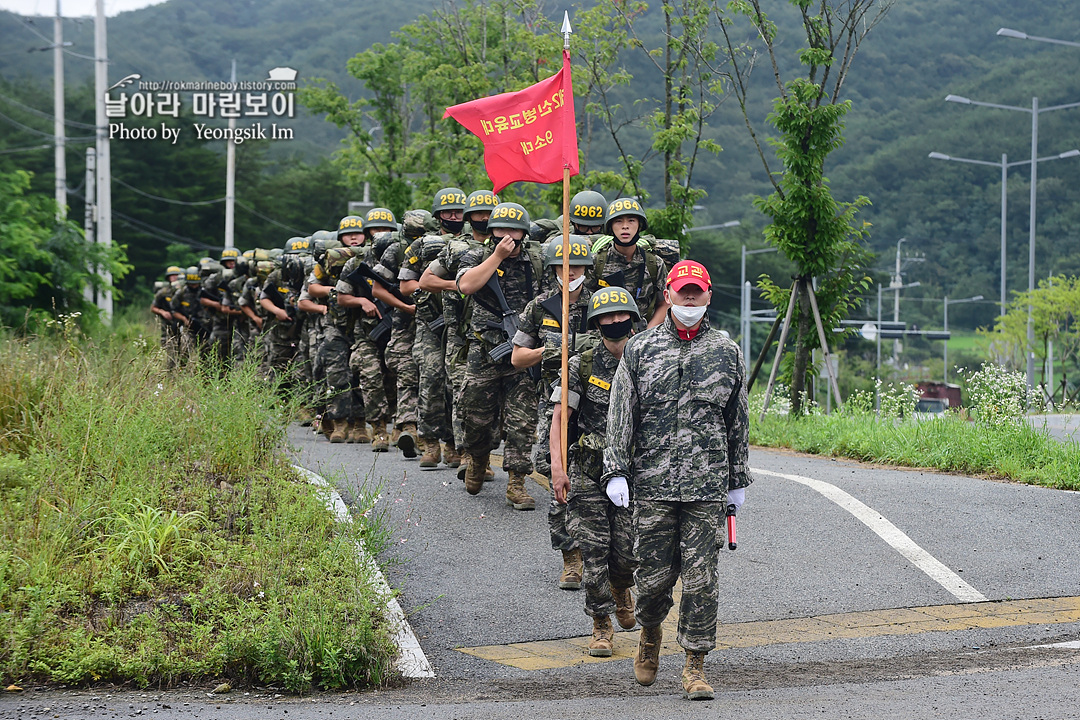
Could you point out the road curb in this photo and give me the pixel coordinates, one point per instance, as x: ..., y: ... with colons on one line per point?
x: 412, y: 662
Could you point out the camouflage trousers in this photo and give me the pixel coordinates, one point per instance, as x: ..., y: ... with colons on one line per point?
x: 312, y: 342
x: 456, y: 363
x: 400, y: 363
x: 433, y: 401
x: 243, y: 332
x: 561, y: 538
x: 280, y: 351
x: 605, y: 533
x: 488, y: 388
x: 343, y: 398
x: 366, y: 361
x: 676, y: 540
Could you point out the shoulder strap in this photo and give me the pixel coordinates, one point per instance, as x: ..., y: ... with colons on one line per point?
x: 586, y: 366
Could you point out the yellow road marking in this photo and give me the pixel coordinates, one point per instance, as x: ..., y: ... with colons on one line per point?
x: 496, y: 461
x: 549, y: 654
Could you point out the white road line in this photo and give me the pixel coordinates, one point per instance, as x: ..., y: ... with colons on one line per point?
x: 1071, y: 645
x: 891, y: 534
x: 412, y: 662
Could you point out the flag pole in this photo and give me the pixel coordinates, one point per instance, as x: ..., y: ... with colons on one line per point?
x: 565, y: 377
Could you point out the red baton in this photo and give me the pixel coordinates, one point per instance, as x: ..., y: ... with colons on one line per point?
x: 731, y: 528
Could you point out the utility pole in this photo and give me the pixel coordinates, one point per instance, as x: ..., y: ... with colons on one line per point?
x: 90, y: 212
x: 230, y: 178
x: 58, y: 115
x: 104, y: 175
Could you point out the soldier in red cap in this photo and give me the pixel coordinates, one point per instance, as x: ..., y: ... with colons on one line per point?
x: 677, y: 446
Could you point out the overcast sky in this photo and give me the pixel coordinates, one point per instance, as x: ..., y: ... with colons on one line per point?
x: 73, y: 8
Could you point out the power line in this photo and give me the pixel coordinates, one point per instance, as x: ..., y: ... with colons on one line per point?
x: 257, y: 214
x: 24, y: 106
x: 168, y: 200
x: 27, y: 128
x: 25, y: 149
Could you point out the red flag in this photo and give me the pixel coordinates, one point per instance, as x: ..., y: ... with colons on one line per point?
x: 529, y: 135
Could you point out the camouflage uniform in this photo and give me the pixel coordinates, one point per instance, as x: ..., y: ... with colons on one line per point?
x: 603, y: 530
x: 540, y: 325
x: 678, y: 432
x: 170, y: 329
x: 194, y: 336
x: 429, y: 349
x: 282, y: 338
x: 399, y: 349
x: 643, y: 275
x: 457, y: 312
x: 242, y: 329
x: 489, y: 385
x: 249, y: 297
x: 366, y: 358
x: 343, y: 399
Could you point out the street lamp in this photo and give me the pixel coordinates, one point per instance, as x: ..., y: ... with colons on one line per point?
x: 744, y: 296
x: 1006, y: 32
x: 1034, y: 110
x: 729, y: 223
x: 1004, y: 165
x: 949, y: 302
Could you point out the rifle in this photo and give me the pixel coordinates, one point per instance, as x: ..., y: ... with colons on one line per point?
x: 615, y: 279
x: 509, y: 326
x: 731, y: 528
x: 278, y: 299
x: 358, y: 279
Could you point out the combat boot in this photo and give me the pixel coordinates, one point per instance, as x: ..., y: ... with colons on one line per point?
x: 474, y: 472
x: 432, y: 454
x: 380, y: 442
x: 358, y: 432
x: 572, y: 568
x: 350, y: 432
x: 305, y: 417
x: 340, y: 431
x: 451, y: 456
x: 647, y: 660
x: 326, y: 426
x: 516, y: 494
x: 489, y: 474
x: 394, y: 435
x: 406, y: 441
x: 624, y: 607
x: 693, y: 677
x: 603, y: 636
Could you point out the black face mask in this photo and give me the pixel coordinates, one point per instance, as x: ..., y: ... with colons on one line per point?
x: 617, y: 330
x: 479, y: 226
x: 452, y: 226
x: 633, y: 240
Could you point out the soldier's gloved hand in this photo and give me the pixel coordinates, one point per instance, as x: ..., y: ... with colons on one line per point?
x: 618, y: 492
x: 736, y: 497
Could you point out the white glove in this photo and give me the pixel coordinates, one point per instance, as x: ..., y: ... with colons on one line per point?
x: 618, y: 492
x: 736, y: 497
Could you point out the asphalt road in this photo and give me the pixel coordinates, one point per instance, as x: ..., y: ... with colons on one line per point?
x: 817, y: 537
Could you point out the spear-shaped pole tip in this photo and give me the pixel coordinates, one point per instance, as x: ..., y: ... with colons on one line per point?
x: 566, y: 29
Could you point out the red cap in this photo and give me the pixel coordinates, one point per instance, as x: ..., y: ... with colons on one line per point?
x: 688, y: 271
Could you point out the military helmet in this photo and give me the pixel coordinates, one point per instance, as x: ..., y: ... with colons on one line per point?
x: 609, y: 300
x: 588, y: 207
x: 230, y: 254
x: 322, y: 235
x: 320, y: 247
x: 449, y: 198
x: 510, y: 215
x: 205, y: 260
x: 380, y: 218
x: 297, y: 245
x: 174, y: 270
x: 249, y: 254
x: 622, y: 207
x: 274, y: 253
x: 350, y: 223
x: 579, y: 254
x: 192, y: 276
x: 242, y: 266
x: 480, y: 200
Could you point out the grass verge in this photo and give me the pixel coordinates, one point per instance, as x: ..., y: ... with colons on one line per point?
x: 1015, y: 452
x: 154, y: 532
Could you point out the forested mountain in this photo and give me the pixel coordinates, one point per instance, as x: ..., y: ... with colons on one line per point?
x: 922, y: 51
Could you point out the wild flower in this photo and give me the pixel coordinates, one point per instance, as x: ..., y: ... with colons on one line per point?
x: 1000, y: 397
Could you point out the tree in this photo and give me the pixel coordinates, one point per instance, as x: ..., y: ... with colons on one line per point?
x: 44, y: 263
x: 819, y: 234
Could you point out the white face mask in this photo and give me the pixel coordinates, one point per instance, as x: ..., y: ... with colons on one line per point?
x: 574, y: 284
x: 688, y: 316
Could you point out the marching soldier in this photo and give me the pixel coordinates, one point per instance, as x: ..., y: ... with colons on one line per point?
x: 602, y: 529
x: 677, y: 443
x: 502, y: 276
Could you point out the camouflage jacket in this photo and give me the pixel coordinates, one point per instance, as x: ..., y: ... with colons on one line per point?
x: 589, y: 398
x: 644, y: 275
x: 420, y: 255
x: 519, y: 279
x: 538, y: 327
x: 678, y: 424
x: 456, y: 308
x: 363, y: 323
